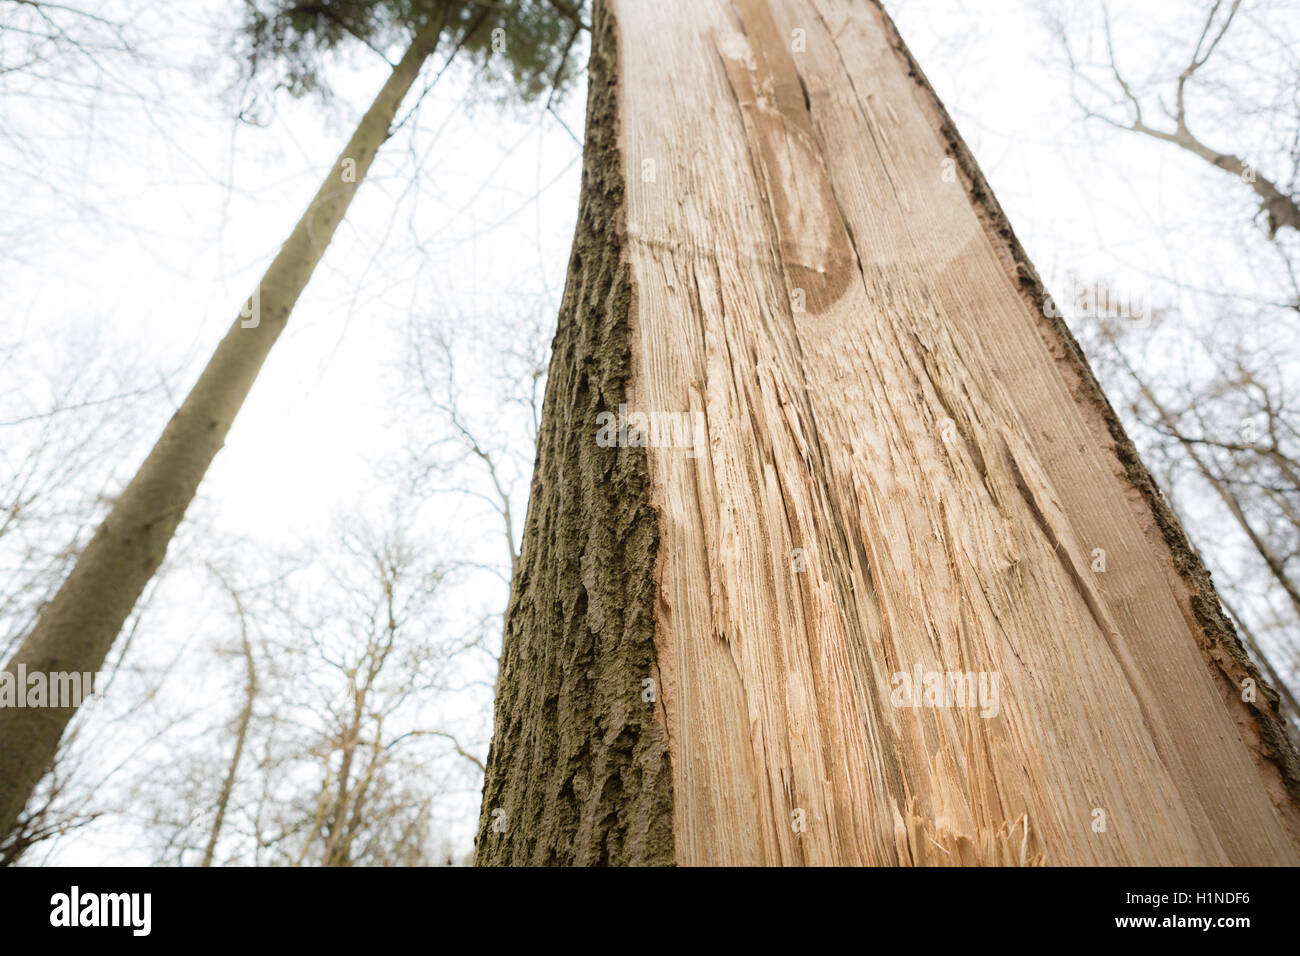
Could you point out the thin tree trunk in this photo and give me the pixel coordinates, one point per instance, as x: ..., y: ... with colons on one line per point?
x: 77, y: 628
x: 343, y: 784
x: 241, y: 732
x: 871, y: 454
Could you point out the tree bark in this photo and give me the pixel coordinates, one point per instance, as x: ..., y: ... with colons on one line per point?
x: 76, y: 629
x: 904, y: 466
x: 578, y: 770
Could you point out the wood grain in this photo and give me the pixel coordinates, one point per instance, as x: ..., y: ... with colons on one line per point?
x: 883, y: 402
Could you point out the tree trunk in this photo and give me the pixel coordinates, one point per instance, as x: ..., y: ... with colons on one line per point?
x: 77, y: 628
x: 241, y: 725
x: 901, y: 467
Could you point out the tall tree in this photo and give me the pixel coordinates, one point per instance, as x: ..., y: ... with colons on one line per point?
x: 523, y: 43
x: 836, y: 552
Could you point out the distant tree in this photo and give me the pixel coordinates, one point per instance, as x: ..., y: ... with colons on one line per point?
x: 334, y: 752
x: 1214, y: 65
x: 523, y: 46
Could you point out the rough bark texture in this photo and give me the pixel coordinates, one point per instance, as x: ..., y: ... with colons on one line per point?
x: 578, y: 771
x: 77, y: 628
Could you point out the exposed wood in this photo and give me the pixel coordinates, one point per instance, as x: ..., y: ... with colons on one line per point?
x: 918, y: 434
x: 903, y: 466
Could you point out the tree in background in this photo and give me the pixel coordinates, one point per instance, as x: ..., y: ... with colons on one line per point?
x: 337, y: 748
x: 524, y: 44
x: 65, y: 418
x: 1216, y: 77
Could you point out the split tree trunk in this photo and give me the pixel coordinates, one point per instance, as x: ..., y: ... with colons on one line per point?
x: 77, y: 628
x: 908, y: 468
